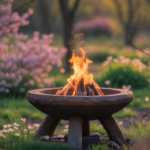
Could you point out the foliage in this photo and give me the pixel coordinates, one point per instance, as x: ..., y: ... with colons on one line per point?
x: 124, y: 73
x: 26, y: 63
x: 97, y: 26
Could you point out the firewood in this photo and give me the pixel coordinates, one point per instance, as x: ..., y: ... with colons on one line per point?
x: 80, y: 88
x: 89, y: 90
x: 96, y: 89
x: 68, y: 89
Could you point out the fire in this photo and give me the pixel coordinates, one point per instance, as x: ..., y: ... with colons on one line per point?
x: 81, y: 82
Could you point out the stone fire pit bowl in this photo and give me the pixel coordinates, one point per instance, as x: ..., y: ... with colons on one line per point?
x: 79, y: 110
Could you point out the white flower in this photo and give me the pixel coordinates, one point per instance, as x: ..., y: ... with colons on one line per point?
x: 66, y: 130
x: 30, y: 127
x: 115, y: 60
x: 5, y: 126
x: 126, y: 87
x: 109, y: 58
x: 107, y: 82
x: 16, y: 128
x: 17, y: 134
x: 66, y: 126
x: 1, y: 131
x: 146, y: 99
x: 23, y: 120
x: 36, y: 125
x: 3, y: 136
x: 5, y: 130
x: 9, y: 125
x: 16, y: 124
x: 120, y: 123
x: 25, y: 130
x: 11, y: 130
x: 32, y: 132
x: 25, y: 136
x: 46, y: 137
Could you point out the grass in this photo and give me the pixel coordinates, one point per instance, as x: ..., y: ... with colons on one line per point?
x: 24, y: 140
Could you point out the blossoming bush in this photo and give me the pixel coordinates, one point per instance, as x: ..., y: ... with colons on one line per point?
x: 97, y: 26
x: 124, y: 73
x: 24, y: 63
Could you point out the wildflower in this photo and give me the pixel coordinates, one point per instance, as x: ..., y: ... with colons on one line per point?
x: 120, y: 123
x: 46, y: 137
x: 25, y: 136
x: 7, y: 90
x: 23, y: 120
x: 25, y: 130
x: 17, y: 134
x: 9, y: 125
x: 5, y: 126
x: 16, y: 128
x: 3, y: 136
x: 30, y: 127
x: 36, y: 125
x: 5, y: 130
x: 16, y: 124
x: 11, y: 130
x: 149, y: 80
x: 138, y: 99
x: 107, y: 82
x: 109, y: 58
x: 115, y: 60
x: 32, y: 132
x: 146, y: 99
x: 1, y: 131
x: 66, y: 126
x: 66, y: 130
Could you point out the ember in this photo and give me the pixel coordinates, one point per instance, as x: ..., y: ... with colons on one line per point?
x: 81, y: 83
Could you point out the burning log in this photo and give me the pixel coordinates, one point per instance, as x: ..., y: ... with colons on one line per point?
x: 80, y: 88
x: 89, y: 90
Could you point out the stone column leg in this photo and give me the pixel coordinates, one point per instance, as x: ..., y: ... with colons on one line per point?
x: 112, y: 129
x: 47, y: 127
x: 86, y: 128
x: 75, y: 133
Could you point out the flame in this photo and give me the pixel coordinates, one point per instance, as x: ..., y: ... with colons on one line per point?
x: 81, y: 82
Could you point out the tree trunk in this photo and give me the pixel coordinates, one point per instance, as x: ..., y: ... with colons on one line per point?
x: 68, y: 18
x: 68, y: 41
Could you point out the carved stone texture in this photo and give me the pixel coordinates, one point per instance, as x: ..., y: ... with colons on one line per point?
x: 112, y: 130
x: 88, y: 107
x: 75, y: 133
x: 47, y: 127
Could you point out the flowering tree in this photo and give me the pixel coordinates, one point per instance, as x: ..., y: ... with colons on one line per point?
x: 24, y: 65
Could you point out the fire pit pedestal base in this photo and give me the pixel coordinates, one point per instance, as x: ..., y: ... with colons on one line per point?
x: 76, y: 128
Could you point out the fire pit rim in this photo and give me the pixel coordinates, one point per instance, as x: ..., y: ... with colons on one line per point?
x: 37, y: 95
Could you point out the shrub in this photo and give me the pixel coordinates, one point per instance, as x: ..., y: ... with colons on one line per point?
x: 24, y: 63
x: 97, y: 26
x: 124, y: 73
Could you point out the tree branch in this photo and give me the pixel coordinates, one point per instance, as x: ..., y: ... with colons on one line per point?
x: 120, y: 14
x: 64, y: 7
x: 139, y: 49
x: 30, y: 1
x: 75, y: 7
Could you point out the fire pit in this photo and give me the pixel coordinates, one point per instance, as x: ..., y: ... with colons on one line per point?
x: 80, y: 101
x: 79, y: 110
